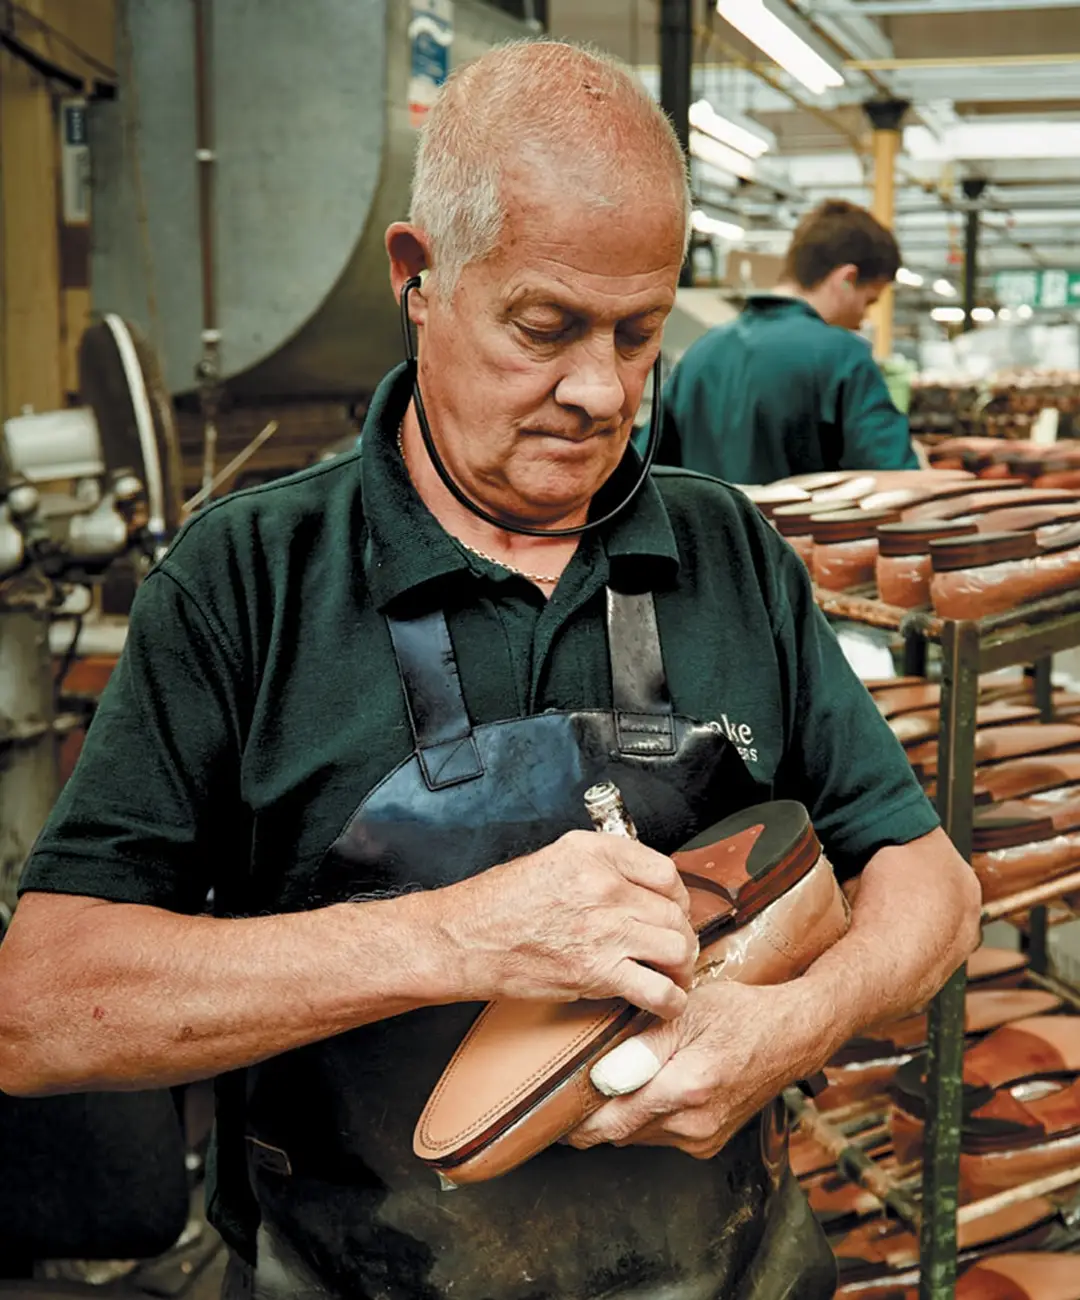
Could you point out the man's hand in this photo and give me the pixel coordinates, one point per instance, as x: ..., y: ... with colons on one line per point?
x: 589, y: 916
x: 730, y: 1053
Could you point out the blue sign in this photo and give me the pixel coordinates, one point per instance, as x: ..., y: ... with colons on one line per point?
x: 431, y: 34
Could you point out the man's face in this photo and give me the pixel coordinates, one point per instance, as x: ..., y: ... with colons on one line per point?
x: 533, y: 371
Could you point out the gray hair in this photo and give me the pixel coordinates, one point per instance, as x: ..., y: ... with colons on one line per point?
x: 527, y: 101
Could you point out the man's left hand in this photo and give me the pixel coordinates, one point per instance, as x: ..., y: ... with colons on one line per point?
x: 732, y: 1050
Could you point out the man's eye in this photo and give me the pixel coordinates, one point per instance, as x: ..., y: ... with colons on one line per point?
x: 543, y: 334
x: 634, y: 340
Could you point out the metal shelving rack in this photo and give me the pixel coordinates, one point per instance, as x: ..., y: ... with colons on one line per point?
x: 1029, y: 635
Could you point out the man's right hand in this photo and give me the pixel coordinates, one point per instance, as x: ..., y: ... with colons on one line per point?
x: 590, y: 916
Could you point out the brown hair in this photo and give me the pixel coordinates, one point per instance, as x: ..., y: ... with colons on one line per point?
x: 834, y: 234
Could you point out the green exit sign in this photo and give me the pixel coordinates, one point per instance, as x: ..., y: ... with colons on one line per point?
x: 1047, y: 288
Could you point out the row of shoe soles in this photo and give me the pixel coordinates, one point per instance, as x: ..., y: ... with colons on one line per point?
x: 1027, y: 819
x: 1038, y: 1048
x: 965, y: 526
x: 1031, y: 1137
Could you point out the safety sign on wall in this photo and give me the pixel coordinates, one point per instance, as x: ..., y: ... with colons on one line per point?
x: 431, y: 33
x: 74, y: 163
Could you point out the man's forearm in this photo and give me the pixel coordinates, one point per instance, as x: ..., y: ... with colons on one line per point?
x: 132, y: 997
x: 915, y: 919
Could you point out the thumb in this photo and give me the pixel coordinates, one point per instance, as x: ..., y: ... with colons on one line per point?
x: 636, y: 1061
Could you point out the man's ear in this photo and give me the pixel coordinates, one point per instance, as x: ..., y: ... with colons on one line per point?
x: 410, y: 255
x: 848, y: 275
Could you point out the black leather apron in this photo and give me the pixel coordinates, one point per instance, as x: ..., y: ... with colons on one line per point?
x: 347, y: 1209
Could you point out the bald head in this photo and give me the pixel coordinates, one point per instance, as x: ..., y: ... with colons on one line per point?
x: 543, y: 119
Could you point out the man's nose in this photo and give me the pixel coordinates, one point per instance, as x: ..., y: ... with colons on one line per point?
x: 592, y: 382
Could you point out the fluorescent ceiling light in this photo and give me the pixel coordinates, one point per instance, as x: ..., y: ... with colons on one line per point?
x: 1005, y: 314
x: 944, y: 289
x: 980, y: 141
x: 910, y: 278
x: 983, y: 314
x: 720, y: 155
x: 948, y: 315
x: 776, y: 39
x: 1024, y: 311
x: 705, y: 118
x: 706, y: 225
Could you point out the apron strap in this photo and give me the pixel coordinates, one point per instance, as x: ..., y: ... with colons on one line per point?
x: 438, y: 718
x: 644, y: 716
x: 442, y: 731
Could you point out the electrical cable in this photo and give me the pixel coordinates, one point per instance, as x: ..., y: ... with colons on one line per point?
x: 655, y: 428
x: 68, y: 659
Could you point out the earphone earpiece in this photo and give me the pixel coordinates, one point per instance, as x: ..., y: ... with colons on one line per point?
x: 422, y: 277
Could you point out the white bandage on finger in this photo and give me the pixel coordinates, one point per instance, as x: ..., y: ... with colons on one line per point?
x: 626, y: 1068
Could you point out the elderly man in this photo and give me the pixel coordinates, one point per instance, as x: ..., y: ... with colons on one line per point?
x: 333, y: 691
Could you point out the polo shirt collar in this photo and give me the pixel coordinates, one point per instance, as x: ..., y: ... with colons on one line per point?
x: 778, y: 301
x: 407, y: 548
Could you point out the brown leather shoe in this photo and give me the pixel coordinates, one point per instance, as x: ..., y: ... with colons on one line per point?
x: 989, y: 496
x: 765, y: 904
x: 989, y: 967
x: 1001, y: 571
x: 1032, y: 774
x: 910, y: 728
x: 903, y: 568
x: 874, y: 1250
x: 995, y: 744
x: 1026, y: 1276
x: 846, y: 547
x: 1039, y: 1048
x: 866, y: 1066
x: 1023, y: 519
x: 984, y: 1010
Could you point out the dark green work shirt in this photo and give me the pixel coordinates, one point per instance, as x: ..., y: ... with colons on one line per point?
x: 779, y: 392
x: 257, y: 700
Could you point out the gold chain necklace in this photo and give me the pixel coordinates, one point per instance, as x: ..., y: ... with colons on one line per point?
x: 483, y: 555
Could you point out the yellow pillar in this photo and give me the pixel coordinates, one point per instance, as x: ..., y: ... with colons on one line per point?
x: 885, y: 116
x: 30, y: 311
x: 44, y: 290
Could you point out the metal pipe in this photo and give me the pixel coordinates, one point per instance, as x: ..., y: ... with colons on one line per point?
x: 676, y: 30
x: 852, y: 1161
x: 945, y: 1028
x: 973, y: 188
x: 209, y: 367
x: 29, y: 769
x: 232, y: 468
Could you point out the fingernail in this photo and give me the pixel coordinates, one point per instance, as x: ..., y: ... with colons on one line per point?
x: 625, y: 1069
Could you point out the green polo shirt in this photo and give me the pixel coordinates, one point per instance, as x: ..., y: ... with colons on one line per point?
x: 779, y: 392
x: 257, y: 700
